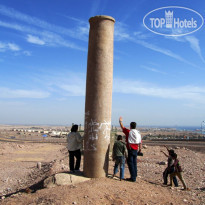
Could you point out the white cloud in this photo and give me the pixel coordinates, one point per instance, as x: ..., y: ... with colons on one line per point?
x: 20, y: 93
x: 2, y: 47
x: 188, y: 92
x: 12, y: 13
x: 66, y: 84
x: 75, y: 86
x: 13, y: 47
x: 9, y: 47
x: 164, y: 51
x: 35, y: 40
x: 83, y: 30
x: 77, y: 89
x: 50, y: 38
x: 194, y: 43
x: 152, y: 69
x: 141, y: 35
x: 82, y: 27
x: 120, y: 32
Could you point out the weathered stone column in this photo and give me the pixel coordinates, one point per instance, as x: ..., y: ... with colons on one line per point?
x: 98, y: 97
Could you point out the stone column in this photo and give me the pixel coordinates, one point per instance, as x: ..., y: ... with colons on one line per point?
x: 98, y: 97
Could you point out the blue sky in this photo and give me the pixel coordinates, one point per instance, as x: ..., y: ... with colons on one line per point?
x: 158, y: 80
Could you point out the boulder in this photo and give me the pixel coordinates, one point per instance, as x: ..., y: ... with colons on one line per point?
x: 63, y: 179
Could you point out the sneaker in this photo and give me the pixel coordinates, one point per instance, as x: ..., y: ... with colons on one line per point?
x: 113, y: 175
x: 130, y: 180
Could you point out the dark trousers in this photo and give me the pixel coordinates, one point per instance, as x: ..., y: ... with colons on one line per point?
x: 72, y: 155
x: 132, y: 163
x: 168, y: 171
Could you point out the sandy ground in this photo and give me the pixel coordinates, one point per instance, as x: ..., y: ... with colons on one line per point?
x: 18, y: 171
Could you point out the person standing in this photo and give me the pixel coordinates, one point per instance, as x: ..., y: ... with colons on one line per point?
x: 118, y: 155
x: 177, y: 171
x: 74, y: 144
x: 170, y: 167
x: 134, y: 144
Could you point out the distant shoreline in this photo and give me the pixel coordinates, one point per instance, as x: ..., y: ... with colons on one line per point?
x: 139, y: 126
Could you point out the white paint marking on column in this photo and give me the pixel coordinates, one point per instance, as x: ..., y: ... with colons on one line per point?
x: 93, y: 127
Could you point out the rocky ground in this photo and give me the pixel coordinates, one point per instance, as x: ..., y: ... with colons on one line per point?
x: 19, y: 171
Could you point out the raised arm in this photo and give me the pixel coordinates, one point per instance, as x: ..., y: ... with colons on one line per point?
x: 165, y: 154
x: 120, y: 121
x: 166, y: 148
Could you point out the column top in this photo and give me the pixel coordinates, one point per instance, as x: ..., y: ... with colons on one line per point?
x: 101, y: 17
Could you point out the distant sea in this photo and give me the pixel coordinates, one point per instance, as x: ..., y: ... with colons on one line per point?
x: 188, y: 128
x: 191, y: 128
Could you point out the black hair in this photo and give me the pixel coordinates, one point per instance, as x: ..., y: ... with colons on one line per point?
x: 174, y: 155
x: 119, y: 137
x: 171, y: 151
x: 133, y: 125
x: 74, y: 128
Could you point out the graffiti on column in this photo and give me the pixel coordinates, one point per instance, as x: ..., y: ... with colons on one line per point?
x: 105, y: 126
x: 92, y: 128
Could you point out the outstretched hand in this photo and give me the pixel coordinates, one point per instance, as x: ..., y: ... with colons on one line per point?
x: 120, y: 121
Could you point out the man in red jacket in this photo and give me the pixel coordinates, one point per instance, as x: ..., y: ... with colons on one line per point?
x: 134, y: 144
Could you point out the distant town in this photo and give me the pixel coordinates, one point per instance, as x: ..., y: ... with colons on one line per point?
x: 60, y: 132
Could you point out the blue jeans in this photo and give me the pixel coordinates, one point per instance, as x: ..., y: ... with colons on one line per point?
x: 132, y: 163
x: 120, y: 160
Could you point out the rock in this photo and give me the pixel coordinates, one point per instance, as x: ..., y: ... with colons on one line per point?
x: 144, y: 146
x: 63, y: 179
x: 39, y: 165
x: 49, y: 182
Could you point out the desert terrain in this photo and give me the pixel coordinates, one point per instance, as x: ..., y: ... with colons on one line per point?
x: 21, y: 179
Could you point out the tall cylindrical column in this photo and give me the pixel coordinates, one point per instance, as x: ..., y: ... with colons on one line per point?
x: 98, y: 97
